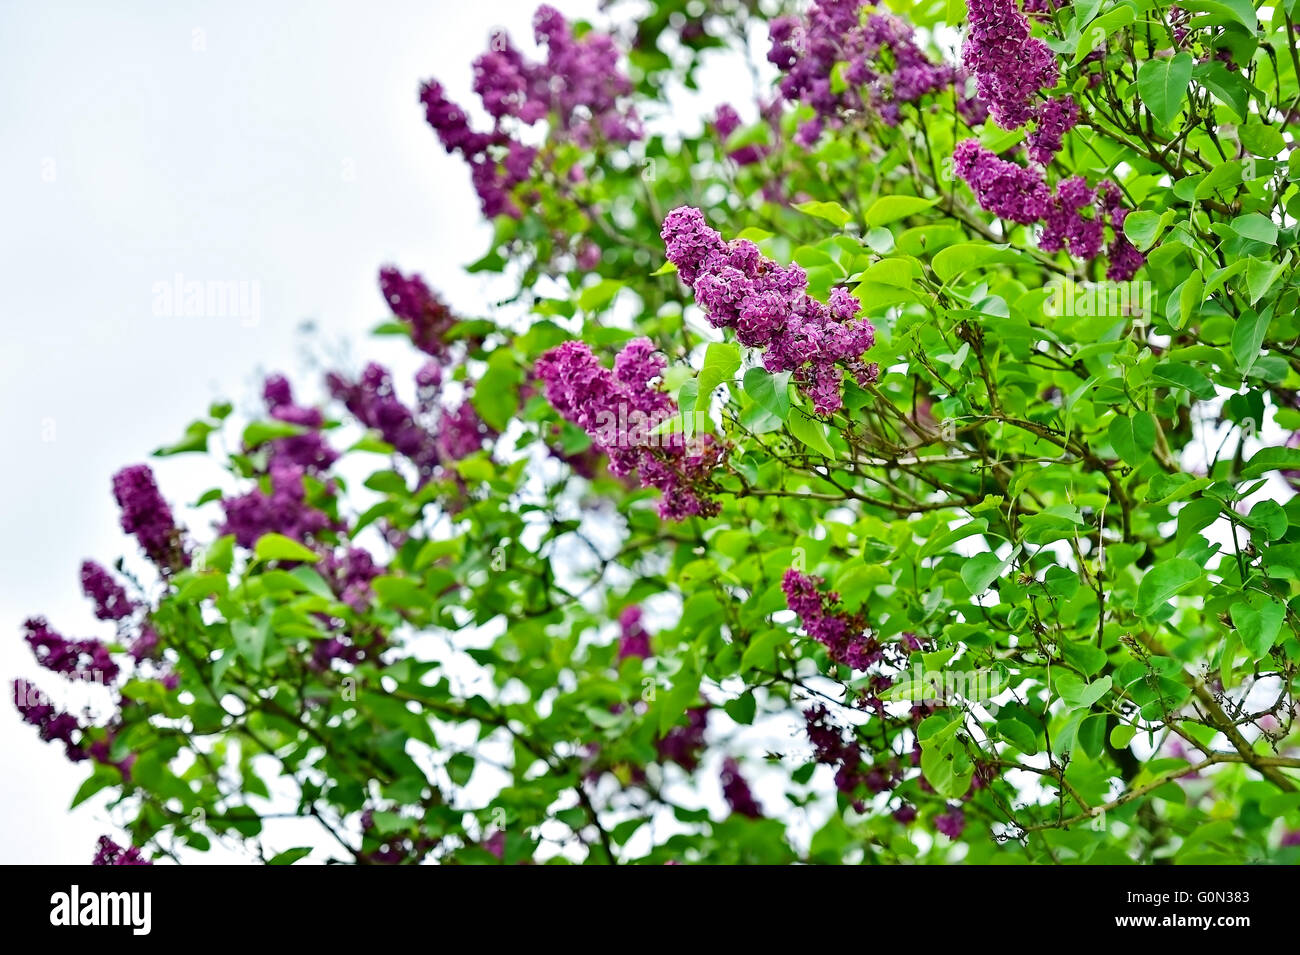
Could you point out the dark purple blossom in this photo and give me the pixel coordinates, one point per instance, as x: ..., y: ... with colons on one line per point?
x: 951, y: 823
x: 620, y: 409
x: 769, y: 307
x: 1010, y: 66
x: 735, y: 790
x: 842, y: 634
x: 146, y: 515
x: 282, y: 510
x: 634, y: 641
x: 109, y: 597
x: 108, y: 852
x: 88, y: 659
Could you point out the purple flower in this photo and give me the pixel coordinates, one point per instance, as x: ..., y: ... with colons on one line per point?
x: 429, y: 317
x: 282, y: 511
x: 620, y: 409
x: 71, y: 658
x: 145, y: 646
x: 308, y: 450
x: 109, y: 597
x: 736, y: 791
x: 374, y: 402
x: 461, y: 432
x: 108, y: 852
x: 768, y: 306
x: 634, y: 640
x: 884, y: 66
x: 349, y: 574
x: 1008, y: 64
x: 146, y: 516
x: 580, y: 86
x: 682, y: 744
x: 1001, y: 187
x: 53, y: 725
x: 1055, y: 118
x: 951, y: 823
x: 842, y: 634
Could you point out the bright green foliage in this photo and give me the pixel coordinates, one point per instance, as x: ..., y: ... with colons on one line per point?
x: 1083, y: 499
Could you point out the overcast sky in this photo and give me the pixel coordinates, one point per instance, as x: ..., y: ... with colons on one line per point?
x: 274, y: 144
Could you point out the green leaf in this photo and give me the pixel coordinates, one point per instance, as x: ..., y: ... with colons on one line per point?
x: 1122, y: 734
x: 1261, y: 140
x: 770, y: 392
x: 721, y: 362
x: 1260, y: 276
x: 1184, y: 376
x: 279, y: 547
x: 1018, y: 735
x: 1256, y: 227
x: 1133, y: 438
x: 832, y: 212
x: 742, y: 708
x: 810, y: 431
x: 1229, y: 87
x: 1142, y: 227
x: 250, y: 639
x: 979, y: 572
x: 1248, y: 337
x: 955, y: 259
x: 1258, y: 623
x: 595, y: 297
x: 496, y: 394
x: 761, y: 649
x: 195, y: 440
x: 289, y: 856
x: 889, y: 209
x: 460, y: 767
x: 1222, y: 13
x: 1163, y: 581
x: 1271, y: 459
x: 1078, y: 695
x: 259, y: 432
x: 1162, y: 84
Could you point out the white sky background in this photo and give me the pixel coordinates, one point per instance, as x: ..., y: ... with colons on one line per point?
x: 287, y: 149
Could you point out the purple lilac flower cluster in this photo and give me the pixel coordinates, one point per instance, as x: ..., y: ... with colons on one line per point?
x: 951, y: 823
x: 1010, y: 66
x: 831, y: 748
x: 735, y: 790
x: 52, y: 725
x: 373, y: 400
x: 884, y: 65
x: 683, y: 744
x: 769, y: 308
x: 634, y: 641
x: 146, y: 516
x: 725, y: 122
x: 108, y: 852
x: 284, y: 509
x: 307, y: 450
x: 109, y: 597
x: 580, y: 85
x: 843, y: 634
x: 349, y: 573
x: 70, y: 658
x: 429, y: 317
x: 619, y: 410
x: 1073, y: 217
